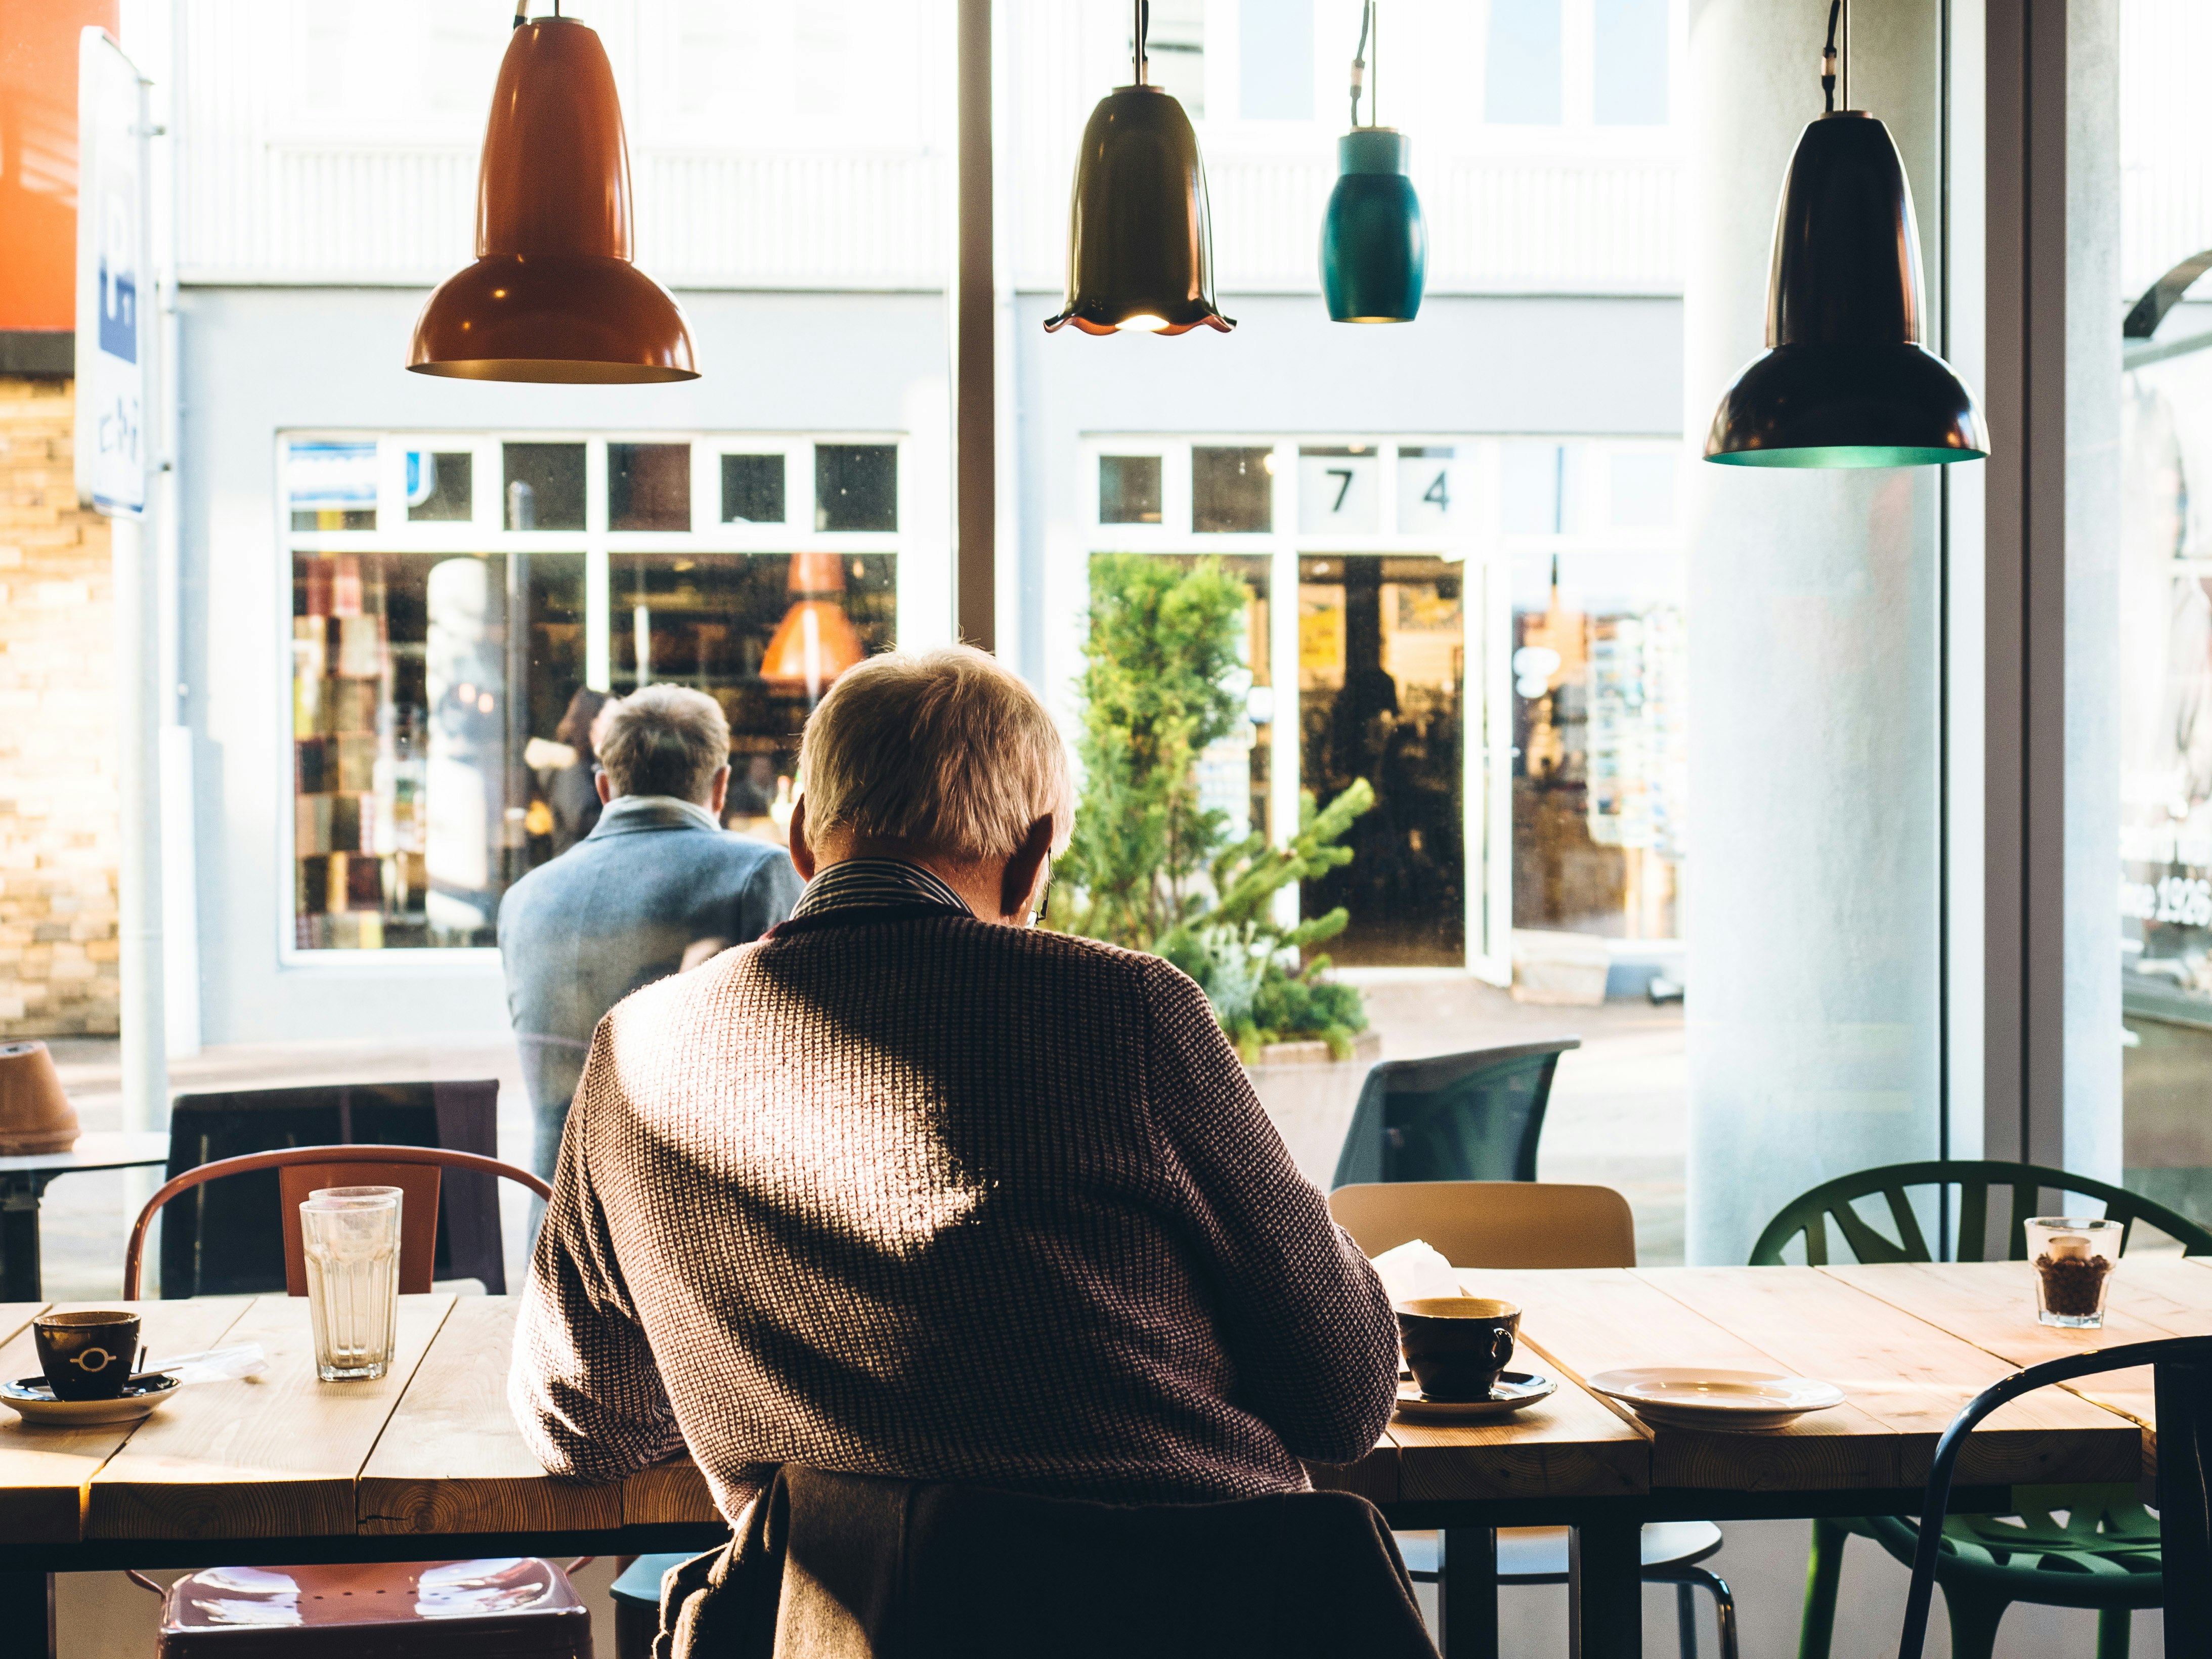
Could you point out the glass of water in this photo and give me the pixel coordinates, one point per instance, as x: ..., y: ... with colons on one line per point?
x: 351, y: 1236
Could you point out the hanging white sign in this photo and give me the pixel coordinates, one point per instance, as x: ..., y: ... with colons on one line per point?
x: 113, y: 279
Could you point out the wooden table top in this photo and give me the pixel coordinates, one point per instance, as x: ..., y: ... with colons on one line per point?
x: 431, y: 1449
x: 1908, y: 1346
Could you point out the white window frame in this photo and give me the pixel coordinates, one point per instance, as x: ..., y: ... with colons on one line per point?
x: 485, y: 531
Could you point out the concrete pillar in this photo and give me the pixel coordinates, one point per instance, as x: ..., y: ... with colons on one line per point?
x: 1814, y: 924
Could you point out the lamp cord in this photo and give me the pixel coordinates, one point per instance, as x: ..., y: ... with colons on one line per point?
x: 1828, y: 59
x: 1360, y: 59
x: 1144, y: 26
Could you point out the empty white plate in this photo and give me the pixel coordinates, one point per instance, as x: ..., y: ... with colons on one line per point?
x: 1679, y: 1397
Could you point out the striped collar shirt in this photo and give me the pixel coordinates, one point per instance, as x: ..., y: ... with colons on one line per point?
x: 873, y: 883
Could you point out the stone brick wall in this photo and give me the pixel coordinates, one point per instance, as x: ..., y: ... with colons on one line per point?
x: 58, y: 828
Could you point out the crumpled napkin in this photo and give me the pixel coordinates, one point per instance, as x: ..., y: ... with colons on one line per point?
x: 1414, y: 1270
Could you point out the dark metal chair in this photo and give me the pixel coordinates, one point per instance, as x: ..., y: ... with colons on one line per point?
x: 2106, y: 1554
x: 2183, y: 1371
x: 227, y: 1240
x: 1475, y: 1116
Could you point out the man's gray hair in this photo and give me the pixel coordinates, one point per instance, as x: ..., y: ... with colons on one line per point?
x: 663, y: 740
x: 946, y: 750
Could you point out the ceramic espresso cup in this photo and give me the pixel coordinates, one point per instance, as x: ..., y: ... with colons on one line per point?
x: 87, y: 1356
x: 1457, y: 1345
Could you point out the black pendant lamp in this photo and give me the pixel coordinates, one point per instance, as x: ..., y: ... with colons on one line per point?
x: 1374, y: 242
x: 1139, y: 242
x: 1845, y: 381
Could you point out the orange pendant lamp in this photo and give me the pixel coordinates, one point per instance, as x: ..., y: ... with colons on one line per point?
x: 816, y: 641
x: 553, y: 295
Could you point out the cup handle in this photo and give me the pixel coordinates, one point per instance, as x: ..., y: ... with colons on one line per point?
x: 1501, y: 1348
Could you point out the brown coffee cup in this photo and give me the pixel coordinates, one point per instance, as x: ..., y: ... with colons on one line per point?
x: 1457, y: 1345
x: 87, y: 1356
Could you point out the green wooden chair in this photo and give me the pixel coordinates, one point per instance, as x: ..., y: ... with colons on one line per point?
x: 2105, y: 1554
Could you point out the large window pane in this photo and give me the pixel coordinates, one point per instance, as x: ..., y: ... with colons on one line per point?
x: 764, y: 634
x: 1382, y: 668
x: 418, y: 682
x: 1629, y: 44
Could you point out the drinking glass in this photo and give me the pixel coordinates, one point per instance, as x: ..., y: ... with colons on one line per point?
x: 351, y: 1236
x: 2074, y: 1258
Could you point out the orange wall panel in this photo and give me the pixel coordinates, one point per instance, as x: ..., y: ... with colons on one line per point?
x: 38, y: 157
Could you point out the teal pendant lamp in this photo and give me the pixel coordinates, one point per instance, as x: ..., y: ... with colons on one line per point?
x: 1845, y: 381
x: 1374, y: 242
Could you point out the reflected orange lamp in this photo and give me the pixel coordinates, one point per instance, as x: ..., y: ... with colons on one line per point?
x: 816, y: 641
x: 553, y: 295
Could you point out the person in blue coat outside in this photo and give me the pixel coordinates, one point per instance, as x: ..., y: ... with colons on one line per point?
x: 657, y: 887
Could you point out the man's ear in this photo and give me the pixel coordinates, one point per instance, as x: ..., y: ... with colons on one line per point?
x: 718, y: 792
x: 605, y: 785
x: 1023, y: 871
x: 802, y: 854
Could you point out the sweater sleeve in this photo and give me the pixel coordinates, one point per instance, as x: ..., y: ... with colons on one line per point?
x: 1305, y: 1320
x: 583, y: 1384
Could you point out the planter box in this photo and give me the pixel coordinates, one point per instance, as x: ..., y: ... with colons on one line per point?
x: 1310, y: 1096
x: 1561, y: 970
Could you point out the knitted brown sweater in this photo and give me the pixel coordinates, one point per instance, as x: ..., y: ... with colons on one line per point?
x: 896, y: 1192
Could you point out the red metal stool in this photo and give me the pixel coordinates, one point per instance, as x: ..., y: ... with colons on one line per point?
x: 503, y: 1608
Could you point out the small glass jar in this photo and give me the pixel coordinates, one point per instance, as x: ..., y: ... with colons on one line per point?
x: 2073, y: 1259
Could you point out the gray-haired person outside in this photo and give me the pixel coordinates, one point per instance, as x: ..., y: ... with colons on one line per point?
x: 912, y: 1188
x: 656, y: 887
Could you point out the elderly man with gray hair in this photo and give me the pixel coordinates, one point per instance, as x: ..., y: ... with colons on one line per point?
x: 657, y: 886
x: 911, y: 1188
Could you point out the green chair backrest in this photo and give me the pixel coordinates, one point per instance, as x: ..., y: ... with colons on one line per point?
x: 1810, y: 1214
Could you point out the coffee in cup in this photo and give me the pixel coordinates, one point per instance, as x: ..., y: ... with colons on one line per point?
x: 1457, y: 1345
x: 87, y: 1356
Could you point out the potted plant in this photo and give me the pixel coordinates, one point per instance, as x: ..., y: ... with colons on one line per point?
x: 1153, y: 869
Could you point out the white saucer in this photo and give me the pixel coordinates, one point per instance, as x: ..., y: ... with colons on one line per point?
x: 33, y: 1401
x: 1514, y: 1390
x: 1679, y: 1397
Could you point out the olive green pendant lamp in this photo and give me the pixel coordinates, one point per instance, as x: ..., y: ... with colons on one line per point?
x: 553, y: 295
x: 1844, y: 381
x: 1374, y: 242
x: 1139, y: 242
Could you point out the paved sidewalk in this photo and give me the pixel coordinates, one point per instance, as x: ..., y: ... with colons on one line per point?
x: 1616, y: 1115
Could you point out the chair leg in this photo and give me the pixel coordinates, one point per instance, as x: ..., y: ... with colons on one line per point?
x: 1686, y: 1619
x: 2114, y: 1626
x: 1723, y: 1609
x: 1974, y: 1621
x: 1824, y: 1569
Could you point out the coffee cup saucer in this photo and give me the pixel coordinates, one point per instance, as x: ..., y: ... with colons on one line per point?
x: 32, y: 1399
x: 1516, y: 1390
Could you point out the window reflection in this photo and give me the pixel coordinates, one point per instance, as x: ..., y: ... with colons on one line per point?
x: 440, y: 486
x: 545, y: 486
x: 764, y: 634
x: 856, y: 487
x: 648, y: 486
x: 1381, y: 669
x: 752, y: 490
x: 413, y: 704
x: 1128, y: 490
x: 1233, y: 490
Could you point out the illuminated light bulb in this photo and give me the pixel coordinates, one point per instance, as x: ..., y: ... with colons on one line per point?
x: 1142, y: 322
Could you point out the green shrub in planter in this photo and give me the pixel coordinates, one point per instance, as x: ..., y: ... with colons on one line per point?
x: 1148, y: 868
